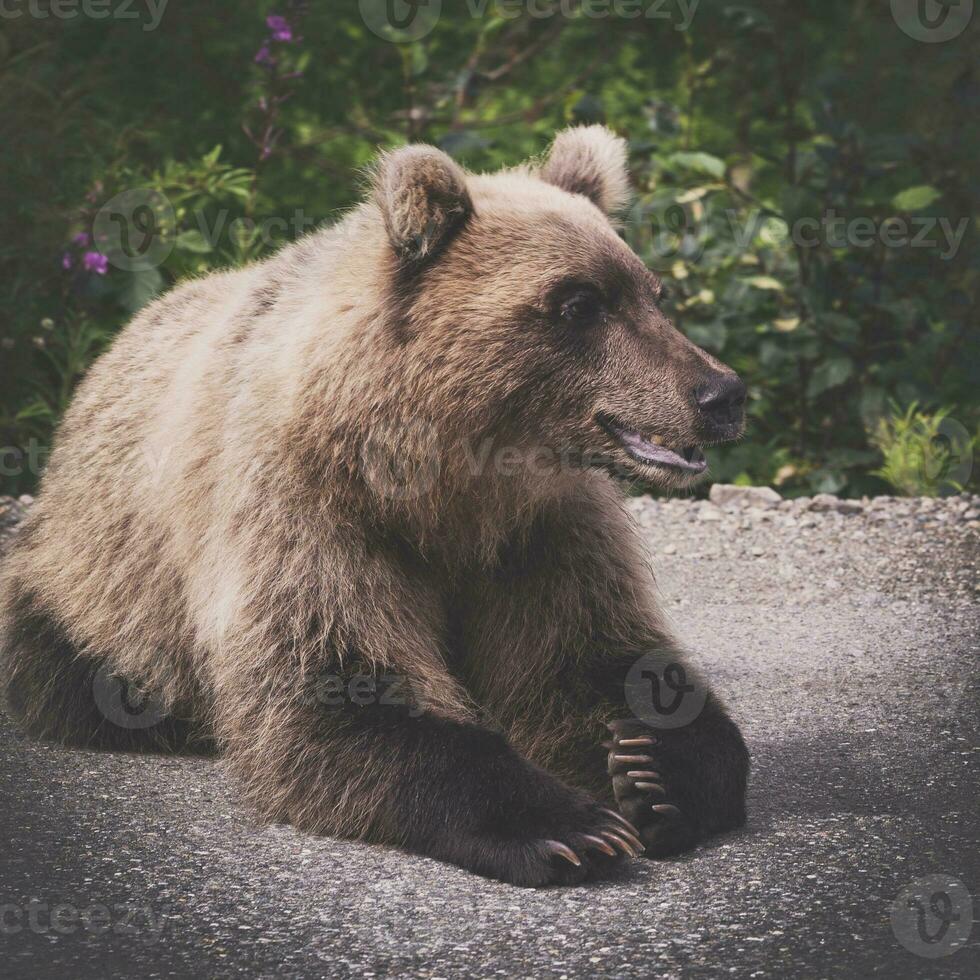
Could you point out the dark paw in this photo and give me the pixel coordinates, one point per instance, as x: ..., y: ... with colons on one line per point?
x: 646, y: 778
x: 583, y: 842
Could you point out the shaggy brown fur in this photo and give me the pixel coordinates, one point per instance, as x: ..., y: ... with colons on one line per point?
x: 347, y: 513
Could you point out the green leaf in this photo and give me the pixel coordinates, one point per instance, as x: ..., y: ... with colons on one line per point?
x: 711, y: 335
x: 773, y: 354
x: 699, y: 162
x: 916, y: 198
x: 904, y: 311
x: 838, y: 325
x: 142, y: 286
x: 826, y: 480
x: 36, y: 409
x: 193, y: 241
x: 829, y: 374
x: 872, y: 406
x: 694, y: 194
x: 493, y: 25
x: 774, y: 231
x: 766, y: 282
x: 420, y: 59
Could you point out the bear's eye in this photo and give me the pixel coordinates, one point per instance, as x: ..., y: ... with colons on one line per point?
x: 581, y: 308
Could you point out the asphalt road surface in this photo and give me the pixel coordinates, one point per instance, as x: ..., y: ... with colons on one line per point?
x: 847, y: 648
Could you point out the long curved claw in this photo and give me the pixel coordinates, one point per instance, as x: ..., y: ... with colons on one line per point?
x: 643, y: 774
x: 639, y: 759
x: 562, y: 850
x: 621, y: 842
x: 650, y: 788
x: 666, y: 809
x: 632, y: 839
x: 638, y: 741
x: 619, y: 818
x: 599, y: 843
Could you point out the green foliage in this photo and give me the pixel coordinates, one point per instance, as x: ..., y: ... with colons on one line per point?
x: 804, y: 177
x: 923, y: 453
x: 64, y: 357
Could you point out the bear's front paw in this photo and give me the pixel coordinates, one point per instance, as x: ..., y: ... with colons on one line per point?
x: 645, y: 781
x: 565, y: 846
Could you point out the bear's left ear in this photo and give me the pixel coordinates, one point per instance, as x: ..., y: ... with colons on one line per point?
x: 423, y: 198
x: 589, y: 160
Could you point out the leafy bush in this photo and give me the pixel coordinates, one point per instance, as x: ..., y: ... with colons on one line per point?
x: 925, y: 453
x: 803, y: 171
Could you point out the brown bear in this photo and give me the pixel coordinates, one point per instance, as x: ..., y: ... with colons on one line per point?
x: 350, y: 516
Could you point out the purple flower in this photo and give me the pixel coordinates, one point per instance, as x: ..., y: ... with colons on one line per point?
x: 96, y: 262
x: 281, y: 31
x: 67, y: 261
x: 263, y: 57
x: 81, y: 239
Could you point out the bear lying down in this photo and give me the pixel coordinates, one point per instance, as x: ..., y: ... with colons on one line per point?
x: 349, y: 516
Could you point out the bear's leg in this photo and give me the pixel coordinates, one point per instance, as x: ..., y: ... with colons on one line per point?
x: 56, y: 692
x: 353, y: 755
x: 678, y: 785
x: 565, y: 641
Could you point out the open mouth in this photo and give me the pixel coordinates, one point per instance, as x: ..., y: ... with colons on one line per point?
x: 650, y: 450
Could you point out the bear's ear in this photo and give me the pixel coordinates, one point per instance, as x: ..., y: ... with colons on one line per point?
x: 423, y: 198
x: 589, y: 160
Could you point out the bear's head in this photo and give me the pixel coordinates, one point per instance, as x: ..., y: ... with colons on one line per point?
x: 528, y: 317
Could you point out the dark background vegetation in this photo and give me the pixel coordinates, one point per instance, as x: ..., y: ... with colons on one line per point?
x: 752, y: 118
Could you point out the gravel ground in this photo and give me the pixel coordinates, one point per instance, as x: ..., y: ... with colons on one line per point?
x: 844, y: 637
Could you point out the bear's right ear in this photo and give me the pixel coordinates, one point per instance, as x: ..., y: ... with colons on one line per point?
x: 591, y: 161
x: 423, y: 198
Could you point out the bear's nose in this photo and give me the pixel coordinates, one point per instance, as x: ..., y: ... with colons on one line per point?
x: 721, y: 401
